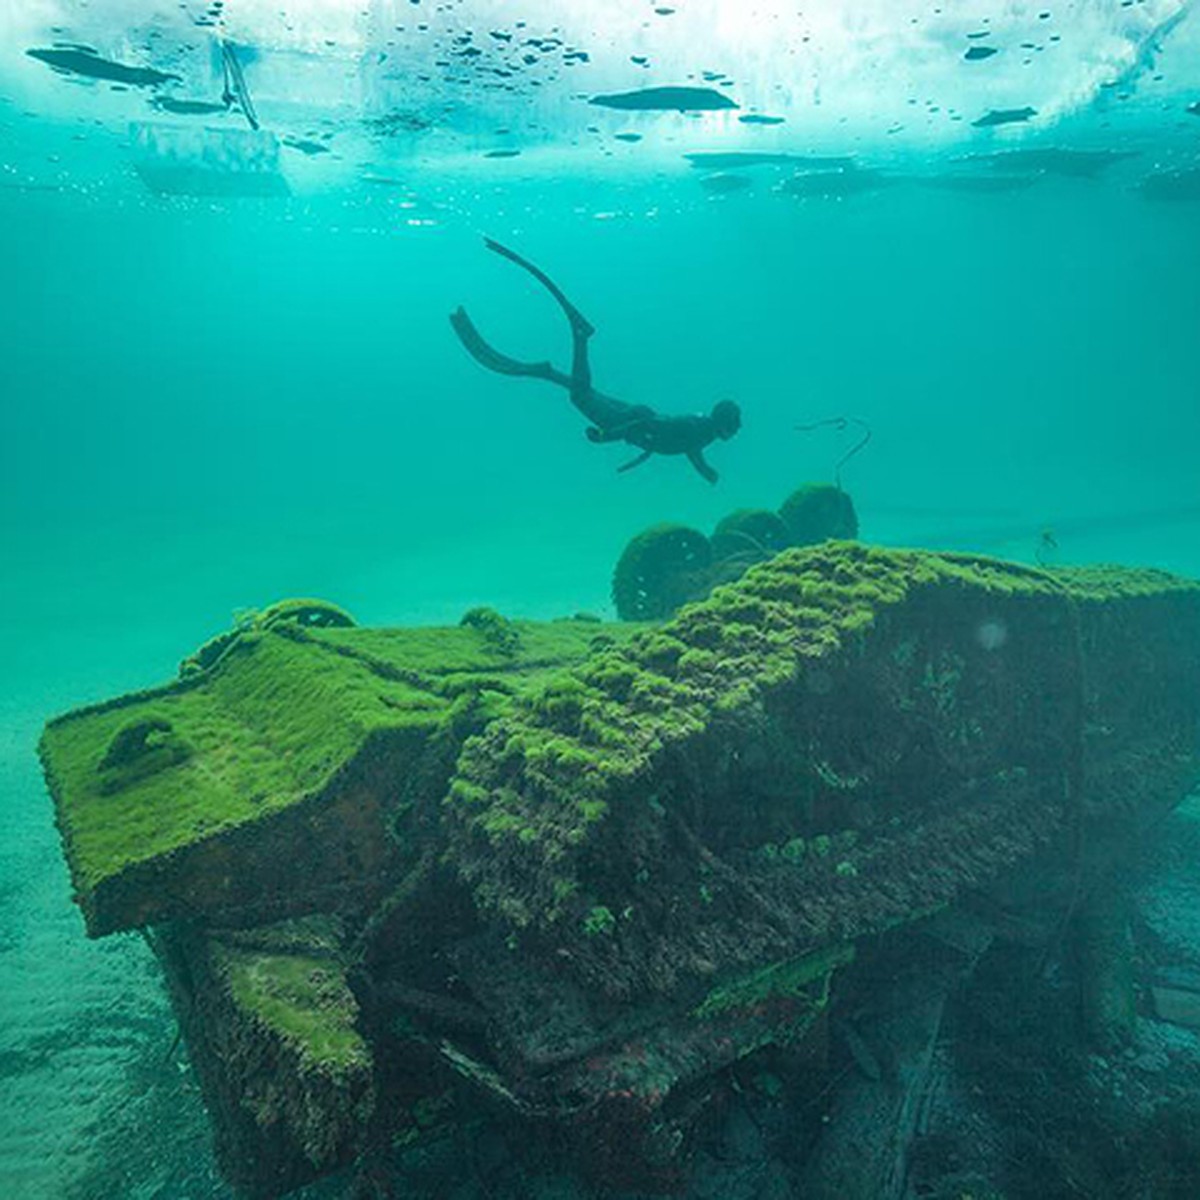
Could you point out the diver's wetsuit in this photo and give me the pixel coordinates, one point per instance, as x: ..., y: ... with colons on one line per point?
x: 611, y: 420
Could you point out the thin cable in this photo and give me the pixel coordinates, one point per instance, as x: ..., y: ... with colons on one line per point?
x: 235, y: 84
x: 840, y: 424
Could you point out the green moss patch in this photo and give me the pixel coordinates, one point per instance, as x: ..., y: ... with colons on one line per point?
x: 791, y: 978
x: 301, y: 998
x: 604, y: 740
x: 272, y: 722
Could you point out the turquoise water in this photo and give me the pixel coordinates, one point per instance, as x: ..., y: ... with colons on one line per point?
x: 211, y: 404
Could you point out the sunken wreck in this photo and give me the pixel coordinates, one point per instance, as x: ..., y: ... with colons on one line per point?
x: 584, y: 880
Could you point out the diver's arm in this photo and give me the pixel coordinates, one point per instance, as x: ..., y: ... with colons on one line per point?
x: 696, y: 458
x: 635, y: 462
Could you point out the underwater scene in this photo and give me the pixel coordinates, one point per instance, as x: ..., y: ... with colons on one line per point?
x: 601, y: 599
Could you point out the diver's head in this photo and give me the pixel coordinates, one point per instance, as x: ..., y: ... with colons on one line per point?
x: 726, y: 418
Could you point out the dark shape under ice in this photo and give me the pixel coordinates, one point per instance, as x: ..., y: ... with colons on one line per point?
x: 666, y: 99
x: 92, y: 66
x: 1004, y: 116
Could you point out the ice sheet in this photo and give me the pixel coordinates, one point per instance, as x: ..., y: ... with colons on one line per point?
x: 395, y: 80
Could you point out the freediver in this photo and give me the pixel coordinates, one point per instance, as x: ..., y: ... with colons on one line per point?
x: 611, y: 420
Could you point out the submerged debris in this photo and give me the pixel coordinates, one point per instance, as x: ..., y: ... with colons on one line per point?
x: 660, y: 569
x: 667, y: 565
x: 570, y: 880
x: 816, y: 512
x: 751, y: 534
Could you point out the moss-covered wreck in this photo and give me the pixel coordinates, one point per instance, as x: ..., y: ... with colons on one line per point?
x: 568, y: 874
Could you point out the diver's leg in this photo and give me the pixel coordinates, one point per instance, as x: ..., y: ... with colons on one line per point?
x: 581, y: 368
x: 603, y: 411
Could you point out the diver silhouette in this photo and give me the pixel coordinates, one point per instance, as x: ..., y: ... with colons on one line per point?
x: 611, y: 420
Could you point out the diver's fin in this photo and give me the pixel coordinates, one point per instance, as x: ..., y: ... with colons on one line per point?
x: 491, y: 358
x: 578, y: 321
